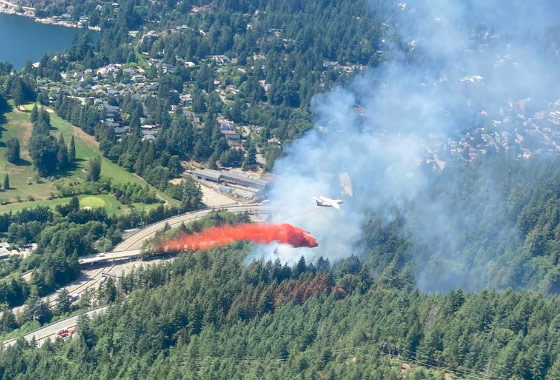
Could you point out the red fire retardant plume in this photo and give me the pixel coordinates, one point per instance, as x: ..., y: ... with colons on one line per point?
x: 257, y: 233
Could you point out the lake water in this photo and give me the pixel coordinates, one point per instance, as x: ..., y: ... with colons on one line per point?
x: 22, y: 39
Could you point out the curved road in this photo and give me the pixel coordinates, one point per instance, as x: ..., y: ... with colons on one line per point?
x: 130, y: 247
x: 135, y: 240
x: 8, y: 4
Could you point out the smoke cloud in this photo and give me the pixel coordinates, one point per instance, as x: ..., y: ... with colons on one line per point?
x: 450, y: 67
x: 226, y: 234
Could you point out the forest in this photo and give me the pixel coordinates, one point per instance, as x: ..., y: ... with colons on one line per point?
x: 471, y: 292
x: 206, y: 315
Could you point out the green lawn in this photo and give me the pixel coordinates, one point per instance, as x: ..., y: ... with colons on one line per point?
x: 110, y: 203
x: 31, y: 190
x: 107, y: 201
x: 93, y: 201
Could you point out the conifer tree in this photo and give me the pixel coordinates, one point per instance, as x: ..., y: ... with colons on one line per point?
x: 12, y: 150
x: 18, y: 92
x: 72, y: 152
x: 34, y: 113
x: 61, y: 154
x: 250, y: 158
x: 94, y: 170
x: 74, y: 203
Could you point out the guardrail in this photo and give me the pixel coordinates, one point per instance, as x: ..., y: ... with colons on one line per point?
x: 4, y: 343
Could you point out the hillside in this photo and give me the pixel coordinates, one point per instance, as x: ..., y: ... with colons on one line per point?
x: 208, y: 316
x: 28, y: 190
x: 407, y: 155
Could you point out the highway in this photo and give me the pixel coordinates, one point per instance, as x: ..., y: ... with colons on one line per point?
x: 49, y: 332
x: 135, y: 240
x: 129, y: 248
x: 109, y: 256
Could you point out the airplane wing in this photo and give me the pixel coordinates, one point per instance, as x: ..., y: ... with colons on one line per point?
x: 327, y: 202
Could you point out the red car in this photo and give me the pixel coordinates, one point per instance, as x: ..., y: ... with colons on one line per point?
x: 63, y: 333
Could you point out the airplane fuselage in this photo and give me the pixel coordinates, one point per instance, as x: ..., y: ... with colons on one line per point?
x: 327, y: 202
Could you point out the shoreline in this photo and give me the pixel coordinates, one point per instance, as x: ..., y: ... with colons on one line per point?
x: 4, y: 8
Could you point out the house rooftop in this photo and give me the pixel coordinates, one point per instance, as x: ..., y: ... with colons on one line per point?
x: 243, y: 179
x: 207, y: 173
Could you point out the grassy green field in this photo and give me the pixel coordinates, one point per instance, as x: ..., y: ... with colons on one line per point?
x: 93, y: 201
x: 28, y: 190
x: 106, y: 201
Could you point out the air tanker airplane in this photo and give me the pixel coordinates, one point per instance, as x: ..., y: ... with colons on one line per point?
x: 327, y: 202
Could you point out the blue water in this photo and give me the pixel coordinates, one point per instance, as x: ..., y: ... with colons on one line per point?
x: 22, y: 39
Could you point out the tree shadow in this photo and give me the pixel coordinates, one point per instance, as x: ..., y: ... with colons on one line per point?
x: 64, y: 173
x: 5, y: 107
x: 22, y: 162
x: 70, y: 171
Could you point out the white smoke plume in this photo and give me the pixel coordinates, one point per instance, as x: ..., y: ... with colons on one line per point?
x: 447, y: 62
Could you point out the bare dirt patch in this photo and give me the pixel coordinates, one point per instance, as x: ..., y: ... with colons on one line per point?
x: 405, y: 367
x: 25, y: 134
x: 176, y: 181
x: 90, y: 140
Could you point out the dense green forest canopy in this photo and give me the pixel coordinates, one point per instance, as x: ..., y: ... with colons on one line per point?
x: 206, y: 315
x: 403, y: 298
